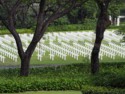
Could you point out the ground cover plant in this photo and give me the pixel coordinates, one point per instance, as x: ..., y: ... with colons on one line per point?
x: 67, y: 77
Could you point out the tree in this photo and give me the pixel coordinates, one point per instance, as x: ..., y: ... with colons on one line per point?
x: 114, y: 9
x: 49, y: 10
x: 87, y: 11
x: 26, y: 17
x: 102, y: 23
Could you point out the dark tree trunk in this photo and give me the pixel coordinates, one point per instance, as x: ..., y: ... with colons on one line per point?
x: 25, y: 61
x: 96, y: 49
x: 102, y: 23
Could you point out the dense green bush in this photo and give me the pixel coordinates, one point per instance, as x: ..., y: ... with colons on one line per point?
x: 35, y: 83
x: 73, y: 27
x: 5, y: 31
x: 69, y: 27
x: 111, y: 77
x: 101, y: 90
x: 61, y: 21
x: 67, y: 77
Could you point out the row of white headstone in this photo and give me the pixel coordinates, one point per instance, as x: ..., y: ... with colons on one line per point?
x: 109, y: 36
x: 76, y: 49
x: 7, y: 49
x: 63, y: 44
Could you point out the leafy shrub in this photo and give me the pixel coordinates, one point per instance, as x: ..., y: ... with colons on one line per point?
x: 5, y: 31
x: 71, y: 77
x: 35, y: 84
x: 73, y: 27
x: 111, y: 77
x: 101, y: 90
x: 68, y: 77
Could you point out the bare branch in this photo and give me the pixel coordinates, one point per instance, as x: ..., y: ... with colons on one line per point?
x: 15, y: 7
x: 9, y: 23
x: 59, y: 13
x: 40, y: 15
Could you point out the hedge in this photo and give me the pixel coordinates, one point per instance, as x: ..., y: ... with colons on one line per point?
x: 101, y: 90
x: 69, y: 77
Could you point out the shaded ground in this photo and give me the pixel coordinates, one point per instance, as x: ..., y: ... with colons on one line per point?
x: 33, y: 66
x: 51, y: 92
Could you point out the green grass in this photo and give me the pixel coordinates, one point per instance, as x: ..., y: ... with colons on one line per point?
x: 46, y: 60
x: 57, y: 60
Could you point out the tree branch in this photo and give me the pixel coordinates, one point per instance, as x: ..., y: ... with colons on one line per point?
x: 40, y: 17
x: 15, y: 7
x: 39, y: 26
x: 16, y: 36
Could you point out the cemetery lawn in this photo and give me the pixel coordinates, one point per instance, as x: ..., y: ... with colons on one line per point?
x: 57, y: 60
x: 46, y: 61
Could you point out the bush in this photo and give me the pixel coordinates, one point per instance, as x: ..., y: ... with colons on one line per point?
x: 111, y: 77
x: 36, y: 84
x: 73, y: 27
x: 68, y: 77
x: 5, y: 31
x: 101, y: 90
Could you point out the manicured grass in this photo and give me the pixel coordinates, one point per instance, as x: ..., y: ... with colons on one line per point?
x: 57, y: 60
x: 46, y: 60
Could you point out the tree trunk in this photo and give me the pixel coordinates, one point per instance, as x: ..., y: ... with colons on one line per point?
x: 25, y: 60
x: 102, y: 23
x: 24, y: 70
x: 101, y: 26
x: 95, y: 52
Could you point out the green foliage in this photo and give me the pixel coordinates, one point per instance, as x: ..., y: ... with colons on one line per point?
x: 69, y: 77
x: 101, y: 90
x: 5, y: 31
x: 91, y: 8
x: 61, y: 21
x: 115, y: 7
x: 112, y: 77
x: 88, y: 25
